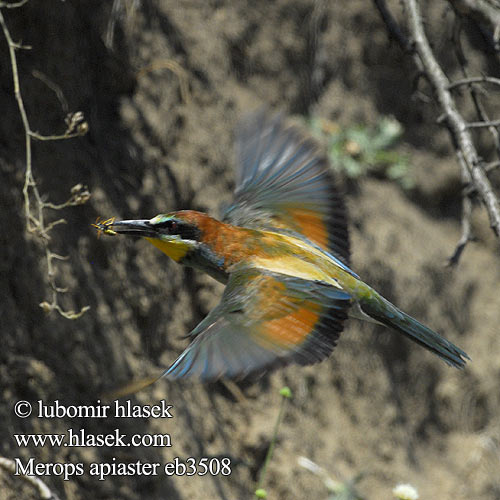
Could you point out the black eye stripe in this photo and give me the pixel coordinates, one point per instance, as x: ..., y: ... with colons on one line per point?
x: 184, y: 230
x: 172, y: 226
x: 188, y: 232
x: 164, y: 225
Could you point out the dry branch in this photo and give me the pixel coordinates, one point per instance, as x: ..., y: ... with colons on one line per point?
x: 483, y: 124
x: 392, y: 26
x: 459, y: 128
x: 35, y: 216
x: 466, y: 215
x: 13, y: 5
x: 474, y: 79
x: 474, y: 90
x: 474, y: 171
x: 454, y: 120
x: 481, y: 11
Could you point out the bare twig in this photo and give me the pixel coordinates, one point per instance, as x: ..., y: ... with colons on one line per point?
x: 466, y: 178
x: 455, y: 122
x: 54, y: 87
x: 79, y: 196
x: 13, y: 5
x: 466, y: 231
x: 60, y: 137
x: 120, y: 10
x: 481, y: 11
x: 176, y: 69
x: 474, y: 79
x: 483, y: 124
x: 466, y: 216
x: 392, y: 26
x: 470, y: 190
x: 476, y: 98
x: 43, y: 490
x: 491, y: 166
x: 35, y: 216
x: 486, y: 15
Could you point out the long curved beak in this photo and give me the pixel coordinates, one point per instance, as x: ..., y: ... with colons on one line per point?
x: 141, y: 228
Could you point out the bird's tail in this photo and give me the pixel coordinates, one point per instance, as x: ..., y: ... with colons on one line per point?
x: 389, y: 315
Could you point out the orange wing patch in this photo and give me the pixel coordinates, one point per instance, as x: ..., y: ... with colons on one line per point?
x: 308, y: 223
x: 281, y: 320
x: 293, y: 329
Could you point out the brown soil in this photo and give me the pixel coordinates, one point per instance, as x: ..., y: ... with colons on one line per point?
x: 379, y: 406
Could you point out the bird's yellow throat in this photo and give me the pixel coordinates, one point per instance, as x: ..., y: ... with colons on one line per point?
x: 176, y: 250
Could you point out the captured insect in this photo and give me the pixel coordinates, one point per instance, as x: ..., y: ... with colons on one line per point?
x: 103, y: 226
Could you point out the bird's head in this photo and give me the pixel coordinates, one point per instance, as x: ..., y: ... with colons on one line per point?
x: 175, y: 234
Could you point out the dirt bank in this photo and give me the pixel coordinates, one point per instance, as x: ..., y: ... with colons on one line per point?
x: 162, y: 85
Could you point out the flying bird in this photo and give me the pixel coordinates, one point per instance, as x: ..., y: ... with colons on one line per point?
x: 282, y: 250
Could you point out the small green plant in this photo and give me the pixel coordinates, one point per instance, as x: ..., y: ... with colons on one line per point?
x: 359, y: 150
x: 285, y: 394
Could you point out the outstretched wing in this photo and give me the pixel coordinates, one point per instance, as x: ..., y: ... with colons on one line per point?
x: 264, y: 320
x: 283, y: 183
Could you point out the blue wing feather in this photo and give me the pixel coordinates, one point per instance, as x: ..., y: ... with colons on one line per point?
x: 228, y: 343
x: 280, y: 175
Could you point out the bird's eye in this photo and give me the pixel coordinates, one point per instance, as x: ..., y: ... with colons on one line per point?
x: 166, y: 224
x: 170, y: 225
x: 177, y: 228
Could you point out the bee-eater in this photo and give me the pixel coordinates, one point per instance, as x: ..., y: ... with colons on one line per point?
x: 282, y: 249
